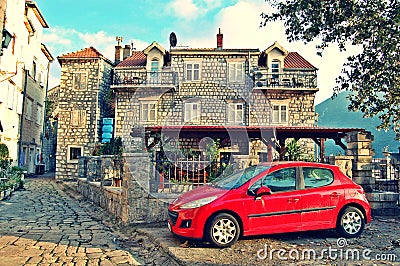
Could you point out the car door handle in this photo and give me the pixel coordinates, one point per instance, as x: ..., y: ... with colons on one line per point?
x: 293, y: 200
x: 335, y: 194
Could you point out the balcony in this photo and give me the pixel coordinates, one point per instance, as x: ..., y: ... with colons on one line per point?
x: 286, y: 81
x: 132, y: 79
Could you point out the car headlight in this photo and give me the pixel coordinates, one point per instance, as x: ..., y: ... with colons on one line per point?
x: 198, y: 203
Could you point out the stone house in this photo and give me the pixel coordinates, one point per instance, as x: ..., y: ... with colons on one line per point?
x: 84, y: 84
x: 176, y: 101
x: 185, y: 91
x: 24, y: 71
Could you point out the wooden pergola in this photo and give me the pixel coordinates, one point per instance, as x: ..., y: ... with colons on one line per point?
x: 267, y: 134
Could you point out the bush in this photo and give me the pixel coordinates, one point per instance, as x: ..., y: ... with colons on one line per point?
x: 114, y: 147
x: 4, y: 153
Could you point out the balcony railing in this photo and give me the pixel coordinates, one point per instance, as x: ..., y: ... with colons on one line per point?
x: 285, y: 80
x: 122, y: 78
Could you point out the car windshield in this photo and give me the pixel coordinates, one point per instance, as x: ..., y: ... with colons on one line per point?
x: 238, y: 178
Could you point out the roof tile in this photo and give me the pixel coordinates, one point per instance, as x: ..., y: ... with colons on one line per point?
x: 294, y: 60
x: 137, y: 59
x: 90, y: 52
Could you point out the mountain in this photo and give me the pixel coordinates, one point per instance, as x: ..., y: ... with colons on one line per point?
x: 334, y: 113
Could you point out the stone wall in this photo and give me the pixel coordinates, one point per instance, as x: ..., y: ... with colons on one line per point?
x: 132, y: 202
x: 80, y: 111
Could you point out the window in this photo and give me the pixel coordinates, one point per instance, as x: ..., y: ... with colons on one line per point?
x: 192, y: 112
x: 317, y: 177
x: 80, y: 80
x: 279, y: 114
x: 78, y: 118
x: 73, y: 153
x: 235, y: 113
x: 10, y: 96
x: 154, y: 65
x: 39, y: 112
x: 278, y: 181
x: 29, y: 106
x: 236, y: 72
x: 193, y: 71
x: 275, y: 69
x: 148, y: 111
x: 34, y: 70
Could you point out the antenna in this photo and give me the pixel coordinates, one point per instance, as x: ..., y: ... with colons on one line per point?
x: 119, y: 40
x: 172, y: 39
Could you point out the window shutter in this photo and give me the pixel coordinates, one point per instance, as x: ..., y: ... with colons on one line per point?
x: 231, y: 113
x: 239, y: 73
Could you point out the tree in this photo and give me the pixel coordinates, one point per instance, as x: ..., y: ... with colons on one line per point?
x: 373, y: 75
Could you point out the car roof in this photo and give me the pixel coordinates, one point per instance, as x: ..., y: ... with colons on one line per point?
x: 297, y: 163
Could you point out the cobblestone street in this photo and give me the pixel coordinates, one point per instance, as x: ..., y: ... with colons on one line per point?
x: 42, y: 225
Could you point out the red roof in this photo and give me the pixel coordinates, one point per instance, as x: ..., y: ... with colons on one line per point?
x: 137, y: 59
x: 294, y: 60
x: 90, y: 52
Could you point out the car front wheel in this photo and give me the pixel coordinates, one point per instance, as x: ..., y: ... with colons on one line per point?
x: 351, y: 222
x: 223, y: 230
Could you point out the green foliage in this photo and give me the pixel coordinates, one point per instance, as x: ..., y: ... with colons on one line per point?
x: 4, y: 153
x: 373, y: 75
x: 114, y: 147
x: 293, y: 151
x: 14, y: 178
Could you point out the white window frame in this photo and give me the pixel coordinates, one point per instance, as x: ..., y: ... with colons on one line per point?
x: 190, y: 68
x: 192, y: 111
x: 29, y: 108
x: 39, y: 113
x: 236, y: 71
x: 146, y: 113
x: 10, y: 96
x: 69, y: 149
x: 278, y: 111
x: 235, y: 115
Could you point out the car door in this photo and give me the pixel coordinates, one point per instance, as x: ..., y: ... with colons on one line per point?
x: 278, y: 211
x: 320, y: 196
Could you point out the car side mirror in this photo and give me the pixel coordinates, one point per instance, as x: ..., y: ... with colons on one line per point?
x: 263, y: 191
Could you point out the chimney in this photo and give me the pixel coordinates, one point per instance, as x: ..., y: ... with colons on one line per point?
x: 118, y: 54
x: 118, y: 50
x: 127, y: 51
x: 220, y: 37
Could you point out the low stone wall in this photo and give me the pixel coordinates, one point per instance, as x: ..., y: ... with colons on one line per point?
x: 133, y: 202
x: 109, y: 198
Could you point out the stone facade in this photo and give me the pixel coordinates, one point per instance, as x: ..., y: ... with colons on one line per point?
x: 85, y: 78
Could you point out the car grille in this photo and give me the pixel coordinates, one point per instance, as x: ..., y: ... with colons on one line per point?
x: 173, y: 216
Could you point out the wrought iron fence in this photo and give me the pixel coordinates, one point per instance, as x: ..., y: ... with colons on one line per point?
x: 180, y: 174
x: 286, y: 80
x: 143, y: 78
x: 386, y: 175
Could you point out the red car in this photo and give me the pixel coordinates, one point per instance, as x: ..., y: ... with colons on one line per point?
x: 271, y: 198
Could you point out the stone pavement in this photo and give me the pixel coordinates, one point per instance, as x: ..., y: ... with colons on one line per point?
x: 42, y: 225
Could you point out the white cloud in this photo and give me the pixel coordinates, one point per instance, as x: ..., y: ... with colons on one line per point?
x: 61, y: 41
x: 185, y: 9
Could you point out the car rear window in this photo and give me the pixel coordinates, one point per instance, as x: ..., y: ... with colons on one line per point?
x: 317, y: 177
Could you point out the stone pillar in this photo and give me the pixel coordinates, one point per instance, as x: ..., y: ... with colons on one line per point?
x: 83, y: 164
x: 345, y: 164
x: 359, y: 146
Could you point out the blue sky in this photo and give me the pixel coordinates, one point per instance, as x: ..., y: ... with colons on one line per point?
x: 75, y: 25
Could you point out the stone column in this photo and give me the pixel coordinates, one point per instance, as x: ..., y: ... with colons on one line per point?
x: 359, y: 146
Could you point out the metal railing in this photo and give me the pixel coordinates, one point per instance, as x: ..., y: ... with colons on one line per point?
x: 177, y: 175
x: 285, y: 80
x: 387, y: 177
x: 144, y: 78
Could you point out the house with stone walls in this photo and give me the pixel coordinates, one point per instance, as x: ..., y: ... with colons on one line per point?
x: 24, y: 68
x: 186, y: 90
x: 85, y: 82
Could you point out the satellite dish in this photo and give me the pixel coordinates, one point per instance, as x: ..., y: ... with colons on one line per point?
x: 172, y: 39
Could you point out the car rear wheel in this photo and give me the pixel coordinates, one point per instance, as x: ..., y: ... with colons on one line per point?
x: 223, y: 230
x: 351, y: 222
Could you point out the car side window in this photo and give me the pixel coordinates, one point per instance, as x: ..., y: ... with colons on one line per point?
x: 317, y: 177
x: 278, y: 181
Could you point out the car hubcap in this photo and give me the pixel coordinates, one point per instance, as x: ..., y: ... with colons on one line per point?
x: 224, y: 231
x: 352, y: 222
